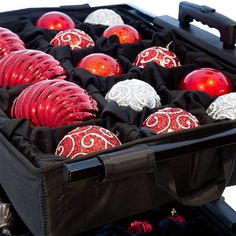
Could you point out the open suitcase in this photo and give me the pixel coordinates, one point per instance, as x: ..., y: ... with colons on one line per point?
x: 54, y: 196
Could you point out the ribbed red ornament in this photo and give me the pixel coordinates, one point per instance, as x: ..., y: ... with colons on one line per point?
x: 161, y: 56
x: 125, y: 33
x: 54, y: 103
x: 101, y: 64
x: 55, y: 20
x: 86, y: 139
x: 9, y: 42
x: 140, y: 227
x: 74, y: 37
x: 28, y: 66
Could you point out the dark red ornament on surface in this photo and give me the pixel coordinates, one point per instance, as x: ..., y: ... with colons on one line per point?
x: 55, y: 20
x: 161, y: 56
x: 74, y: 37
x: 125, y: 33
x: 208, y: 80
x: 170, y: 120
x: 175, y: 217
x: 86, y: 139
x: 9, y: 42
x: 140, y: 227
x: 28, y: 66
x: 101, y: 64
x: 54, y: 103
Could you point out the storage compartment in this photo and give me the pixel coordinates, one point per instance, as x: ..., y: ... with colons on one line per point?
x: 215, y: 218
x: 192, y: 166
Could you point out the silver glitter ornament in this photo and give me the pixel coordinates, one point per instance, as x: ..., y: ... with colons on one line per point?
x: 134, y: 93
x: 104, y: 17
x: 5, y: 218
x: 224, y: 107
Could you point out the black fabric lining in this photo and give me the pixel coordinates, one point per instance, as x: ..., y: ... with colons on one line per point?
x: 123, y: 121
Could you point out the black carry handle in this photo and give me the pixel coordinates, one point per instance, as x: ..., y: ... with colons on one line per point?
x: 142, y: 158
x: 207, y: 15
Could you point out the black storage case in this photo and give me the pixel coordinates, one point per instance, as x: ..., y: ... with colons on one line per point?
x: 54, y: 196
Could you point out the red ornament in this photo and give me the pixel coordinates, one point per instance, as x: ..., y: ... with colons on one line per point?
x: 9, y: 42
x: 161, y: 56
x: 207, y: 80
x: 74, y: 37
x: 28, y: 66
x: 54, y: 103
x: 55, y: 20
x: 175, y: 217
x: 86, y: 139
x: 140, y: 227
x: 125, y: 33
x: 101, y: 64
x: 170, y: 120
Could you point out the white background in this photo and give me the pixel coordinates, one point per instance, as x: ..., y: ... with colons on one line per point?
x: 154, y: 7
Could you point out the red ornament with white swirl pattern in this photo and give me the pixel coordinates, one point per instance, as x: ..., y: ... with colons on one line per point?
x: 170, y: 120
x: 161, y: 56
x: 28, y: 66
x: 74, y: 37
x: 54, y: 103
x: 86, y: 139
x: 9, y: 42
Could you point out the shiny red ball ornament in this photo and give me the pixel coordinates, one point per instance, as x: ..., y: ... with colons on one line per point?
x: 161, y: 56
x: 140, y: 227
x: 54, y: 103
x: 86, y: 139
x: 101, y: 64
x: 9, y: 42
x: 55, y: 20
x: 125, y: 33
x: 175, y: 217
x: 208, y: 80
x: 170, y: 120
x: 28, y: 66
x: 74, y: 37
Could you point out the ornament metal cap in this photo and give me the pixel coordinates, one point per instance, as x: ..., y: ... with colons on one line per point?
x: 5, y: 218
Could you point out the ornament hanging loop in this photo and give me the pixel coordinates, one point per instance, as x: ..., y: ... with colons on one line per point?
x: 169, y: 44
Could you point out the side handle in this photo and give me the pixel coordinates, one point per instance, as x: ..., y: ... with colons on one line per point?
x: 142, y: 158
x: 208, y: 16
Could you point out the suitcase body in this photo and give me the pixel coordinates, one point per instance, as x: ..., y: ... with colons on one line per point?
x: 54, y: 196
